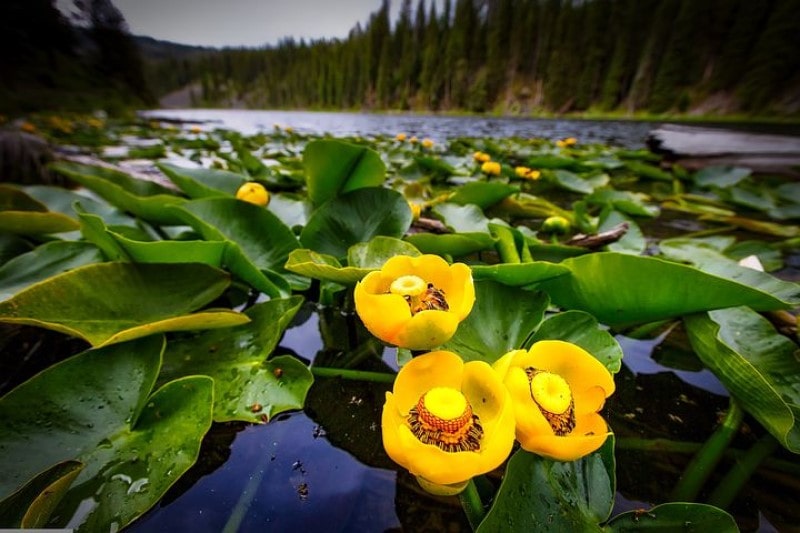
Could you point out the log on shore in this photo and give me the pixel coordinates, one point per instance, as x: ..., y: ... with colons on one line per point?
x: 695, y: 147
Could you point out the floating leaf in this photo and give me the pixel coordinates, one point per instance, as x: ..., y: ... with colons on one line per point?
x: 463, y: 218
x: 482, y: 193
x: 203, y: 182
x: 674, y: 517
x: 373, y: 254
x: 293, y: 211
x: 519, y: 274
x: 452, y: 244
x: 146, y: 200
x: 628, y: 202
x: 355, y: 217
x: 61, y: 200
x: 32, y: 505
x: 335, y: 167
x: 324, y: 267
x: 246, y: 384
x: 45, y: 261
x: 580, y: 184
x: 621, y: 289
x: 96, y: 408
x: 720, y: 176
x: 35, y: 222
x: 110, y: 302
x: 648, y: 171
x: 539, y: 494
x: 756, y: 364
x: 495, y: 326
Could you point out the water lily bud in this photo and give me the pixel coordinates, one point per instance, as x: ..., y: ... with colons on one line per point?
x: 400, y: 137
x: 491, y: 168
x: 253, y: 192
x: 427, y: 143
x: 556, y: 224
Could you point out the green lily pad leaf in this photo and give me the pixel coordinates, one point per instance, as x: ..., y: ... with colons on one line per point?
x: 247, y: 385
x: 259, y: 235
x: 555, y: 162
x: 104, y: 301
x: 335, y: 167
x: 60, y: 200
x: 146, y: 200
x: 675, y: 517
x: 629, y: 202
x: 528, y: 206
x: 482, y: 193
x: 580, y: 184
x: 293, y: 211
x: 203, y: 182
x: 94, y: 230
x: 467, y: 218
x: 518, y: 274
x: 94, y: 408
x: 713, y: 262
x: 35, y: 223
x: 373, y: 254
x: 494, y: 327
x: 32, y: 505
x: 720, y: 176
x: 648, y: 171
x: 45, y: 261
x: 756, y: 364
x: 324, y: 267
x: 274, y: 284
x: 611, y: 286
x: 355, y: 217
x: 13, y: 199
x: 582, y: 329
x: 452, y: 244
x: 633, y: 242
x: 539, y: 494
x: 207, y: 252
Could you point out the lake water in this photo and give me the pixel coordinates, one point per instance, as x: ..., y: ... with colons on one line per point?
x: 630, y: 134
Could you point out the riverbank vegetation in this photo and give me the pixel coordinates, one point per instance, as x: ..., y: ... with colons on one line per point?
x: 520, y: 57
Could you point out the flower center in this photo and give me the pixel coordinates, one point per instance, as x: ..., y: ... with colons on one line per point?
x: 553, y: 397
x: 443, y: 417
x: 419, y: 295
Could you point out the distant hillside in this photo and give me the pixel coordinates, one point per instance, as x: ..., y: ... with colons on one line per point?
x: 710, y: 57
x: 156, y: 50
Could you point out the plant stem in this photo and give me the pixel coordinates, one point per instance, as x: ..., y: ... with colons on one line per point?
x: 703, y: 463
x: 362, y: 375
x: 505, y: 245
x: 472, y: 505
x: 731, y: 484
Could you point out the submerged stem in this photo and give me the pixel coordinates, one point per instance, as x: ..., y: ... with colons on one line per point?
x: 473, y: 506
x: 741, y: 471
x: 706, y: 459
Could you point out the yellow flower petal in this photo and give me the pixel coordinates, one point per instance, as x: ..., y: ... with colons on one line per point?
x: 421, y: 374
x: 589, y: 434
x: 573, y: 363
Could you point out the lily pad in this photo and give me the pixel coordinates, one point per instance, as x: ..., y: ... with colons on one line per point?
x: 554, y: 495
x: 452, y: 244
x: 720, y: 176
x: 519, y: 274
x: 134, y: 445
x: 501, y: 320
x: 203, y: 182
x: 611, y: 286
x: 675, y: 517
x: 47, y: 260
x: 146, y: 200
x: 335, y: 167
x: 482, y: 193
x: 463, y: 218
x: 324, y: 267
x: 247, y: 385
x: 32, y: 505
x: 373, y: 254
x: 111, y: 302
x: 755, y: 363
x: 577, y: 183
x: 35, y: 223
x: 355, y: 217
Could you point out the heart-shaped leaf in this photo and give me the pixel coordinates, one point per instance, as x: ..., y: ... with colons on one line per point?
x: 110, y: 302
x: 501, y: 320
x: 247, y: 385
x: 335, y: 167
x: 675, y: 517
x: 324, y: 267
x: 611, y: 286
x: 452, y: 244
x: 96, y: 408
x: 146, y: 200
x: 519, y: 274
x: 467, y: 218
x: 379, y: 249
x: 539, y: 494
x: 720, y: 176
x: 47, y: 260
x: 203, y: 182
x: 355, y: 217
x: 756, y: 364
x: 482, y: 193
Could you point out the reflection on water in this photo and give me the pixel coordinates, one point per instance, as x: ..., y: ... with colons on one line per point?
x: 439, y: 128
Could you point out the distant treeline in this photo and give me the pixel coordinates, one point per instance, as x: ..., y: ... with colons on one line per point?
x: 49, y: 62
x: 712, y: 56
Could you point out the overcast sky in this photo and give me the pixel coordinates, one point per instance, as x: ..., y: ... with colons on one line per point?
x: 245, y: 22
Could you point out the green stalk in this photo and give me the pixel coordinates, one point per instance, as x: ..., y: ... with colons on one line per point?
x: 704, y: 462
x: 472, y: 505
x: 361, y: 375
x: 505, y: 245
x: 731, y: 484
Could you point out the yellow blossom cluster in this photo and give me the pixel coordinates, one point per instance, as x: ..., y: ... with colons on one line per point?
x: 527, y: 173
x: 566, y: 143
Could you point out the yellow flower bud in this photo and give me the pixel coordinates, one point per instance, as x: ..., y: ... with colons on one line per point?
x: 253, y: 192
x: 491, y: 168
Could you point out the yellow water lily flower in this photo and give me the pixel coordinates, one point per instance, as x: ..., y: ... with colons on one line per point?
x: 253, y: 192
x: 566, y: 143
x: 558, y: 389
x: 427, y: 143
x: 491, y: 168
x: 415, y: 302
x: 481, y: 157
x: 413, y: 139
x: 400, y: 137
x: 416, y: 210
x: 447, y: 421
